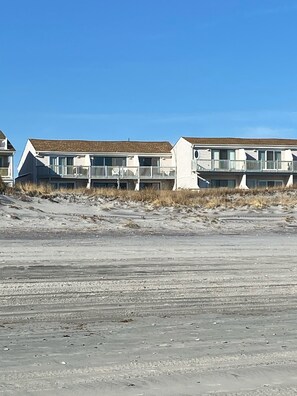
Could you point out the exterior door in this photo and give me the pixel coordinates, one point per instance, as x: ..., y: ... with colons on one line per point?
x: 270, y: 159
x: 278, y: 159
x: 62, y: 165
x: 62, y: 161
x: 223, y: 159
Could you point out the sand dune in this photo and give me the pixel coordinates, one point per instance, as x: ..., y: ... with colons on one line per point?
x: 104, y: 298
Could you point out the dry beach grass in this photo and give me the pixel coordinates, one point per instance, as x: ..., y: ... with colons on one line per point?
x: 207, y: 198
x: 107, y: 292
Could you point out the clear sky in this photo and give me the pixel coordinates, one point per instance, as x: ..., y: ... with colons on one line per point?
x: 147, y: 69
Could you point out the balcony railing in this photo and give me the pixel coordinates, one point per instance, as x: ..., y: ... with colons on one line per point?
x: 244, y: 166
x: 107, y: 172
x: 114, y: 172
x: 156, y: 172
x: 63, y: 171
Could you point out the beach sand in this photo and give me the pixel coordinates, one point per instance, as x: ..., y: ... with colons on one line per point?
x: 101, y: 297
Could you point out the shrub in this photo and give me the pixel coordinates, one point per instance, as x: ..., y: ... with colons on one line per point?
x: 3, y: 186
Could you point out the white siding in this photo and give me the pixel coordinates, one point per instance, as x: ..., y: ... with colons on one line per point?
x: 240, y: 154
x: 183, y: 153
x: 204, y: 154
x: 287, y: 155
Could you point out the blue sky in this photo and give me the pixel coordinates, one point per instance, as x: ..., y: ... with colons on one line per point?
x: 147, y: 69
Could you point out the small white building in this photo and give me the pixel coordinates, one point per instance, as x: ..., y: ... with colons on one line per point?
x: 235, y: 162
x: 6, y: 160
x: 132, y: 165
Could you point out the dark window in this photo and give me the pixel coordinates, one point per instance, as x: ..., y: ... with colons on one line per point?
x: 223, y: 154
x: 122, y: 186
x: 109, y: 161
x: 222, y: 183
x: 4, y: 162
x: 149, y: 161
x: 98, y: 161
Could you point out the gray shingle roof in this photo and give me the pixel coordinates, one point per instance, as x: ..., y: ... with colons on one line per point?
x: 241, y: 142
x: 85, y: 146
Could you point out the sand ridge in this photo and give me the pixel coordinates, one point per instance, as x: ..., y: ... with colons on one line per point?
x: 166, y: 305
x: 69, y: 213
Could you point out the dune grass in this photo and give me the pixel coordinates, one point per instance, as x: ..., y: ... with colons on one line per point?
x: 206, y: 198
x: 3, y: 186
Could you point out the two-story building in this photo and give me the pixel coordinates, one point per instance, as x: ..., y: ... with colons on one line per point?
x: 235, y: 162
x: 130, y: 165
x: 6, y: 160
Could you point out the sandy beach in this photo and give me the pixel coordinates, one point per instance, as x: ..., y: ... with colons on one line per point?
x: 101, y: 297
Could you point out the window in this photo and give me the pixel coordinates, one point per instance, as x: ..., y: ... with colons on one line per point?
x: 294, y: 162
x: 223, y: 158
x: 203, y: 183
x: 270, y: 159
x: 217, y: 183
x: 270, y: 183
x: 62, y: 165
x: 4, y: 165
x: 149, y: 161
x: 251, y: 183
x: 109, y: 161
x: 4, y: 162
x: 122, y: 186
x: 64, y: 185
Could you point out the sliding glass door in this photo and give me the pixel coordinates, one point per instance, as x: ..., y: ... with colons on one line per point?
x: 270, y: 159
x: 223, y: 159
x: 62, y: 165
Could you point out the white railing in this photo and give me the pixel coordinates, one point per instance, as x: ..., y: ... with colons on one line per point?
x: 107, y: 172
x: 244, y: 166
x: 63, y: 171
x: 156, y: 172
x: 114, y: 172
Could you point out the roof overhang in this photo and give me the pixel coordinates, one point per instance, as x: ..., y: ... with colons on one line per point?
x: 238, y: 146
x: 93, y: 154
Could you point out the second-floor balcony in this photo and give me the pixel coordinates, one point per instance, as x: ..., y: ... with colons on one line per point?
x: 106, y: 172
x: 244, y: 166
